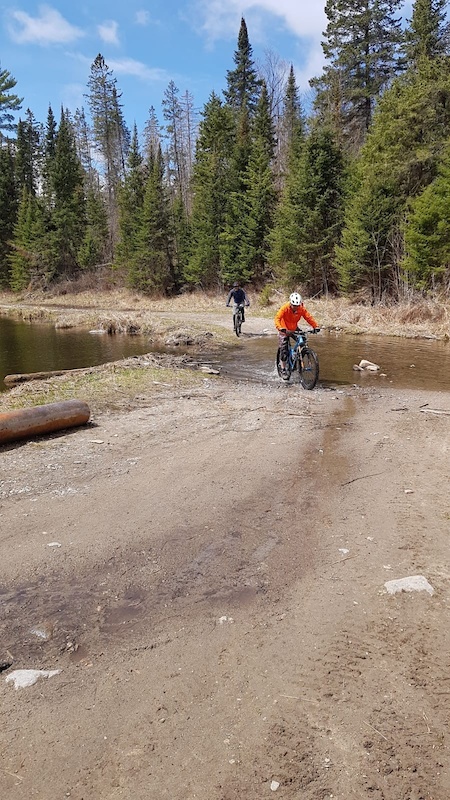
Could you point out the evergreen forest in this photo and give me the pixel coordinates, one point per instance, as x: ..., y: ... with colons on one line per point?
x: 348, y: 196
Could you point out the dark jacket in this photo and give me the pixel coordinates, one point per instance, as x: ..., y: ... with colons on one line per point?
x: 238, y: 296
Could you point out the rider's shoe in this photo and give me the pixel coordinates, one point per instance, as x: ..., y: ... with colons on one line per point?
x: 284, y: 375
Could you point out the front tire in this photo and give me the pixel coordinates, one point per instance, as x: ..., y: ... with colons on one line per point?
x: 308, y: 369
x: 237, y: 324
x: 279, y: 370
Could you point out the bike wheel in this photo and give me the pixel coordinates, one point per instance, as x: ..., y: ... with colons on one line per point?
x: 237, y: 324
x: 308, y: 367
x: 287, y: 374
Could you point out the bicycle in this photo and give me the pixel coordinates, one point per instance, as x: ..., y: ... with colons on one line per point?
x: 237, y: 319
x: 300, y: 357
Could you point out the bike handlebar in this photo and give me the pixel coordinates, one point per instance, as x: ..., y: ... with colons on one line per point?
x: 300, y: 332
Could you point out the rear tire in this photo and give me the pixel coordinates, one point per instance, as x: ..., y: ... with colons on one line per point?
x: 309, y: 373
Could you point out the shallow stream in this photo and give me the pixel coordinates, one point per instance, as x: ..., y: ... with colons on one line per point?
x: 404, y: 363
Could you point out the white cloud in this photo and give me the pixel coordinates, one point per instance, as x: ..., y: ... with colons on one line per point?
x: 303, y: 18
x: 49, y: 27
x: 142, y: 18
x: 128, y: 66
x: 108, y: 32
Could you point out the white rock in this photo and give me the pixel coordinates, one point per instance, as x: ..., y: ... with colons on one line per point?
x: 415, y: 583
x: 369, y: 365
x: 274, y: 786
x: 22, y: 678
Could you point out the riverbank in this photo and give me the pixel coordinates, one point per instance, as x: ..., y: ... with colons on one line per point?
x: 126, y: 311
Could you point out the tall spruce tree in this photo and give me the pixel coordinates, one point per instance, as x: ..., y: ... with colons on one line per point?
x: 211, y: 185
x: 399, y: 159
x: 151, y: 269
x: 292, y: 128
x: 243, y: 84
x: 151, y: 136
x: 49, y: 148
x: 28, y: 150
x: 428, y: 32
x: 110, y: 134
x: 310, y: 216
x: 426, y: 263
x: 8, y: 209
x: 130, y: 199
x: 232, y: 265
x: 68, y: 212
x: 31, y: 249
x: 361, y: 47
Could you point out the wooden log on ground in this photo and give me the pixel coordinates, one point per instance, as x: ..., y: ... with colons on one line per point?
x: 13, y: 380
x: 25, y: 423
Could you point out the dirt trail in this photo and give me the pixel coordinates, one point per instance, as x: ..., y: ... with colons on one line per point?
x: 207, y: 573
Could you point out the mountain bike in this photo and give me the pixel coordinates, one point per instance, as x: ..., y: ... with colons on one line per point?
x: 300, y: 358
x: 238, y: 316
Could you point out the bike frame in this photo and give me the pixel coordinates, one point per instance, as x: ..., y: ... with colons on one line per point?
x: 299, y: 341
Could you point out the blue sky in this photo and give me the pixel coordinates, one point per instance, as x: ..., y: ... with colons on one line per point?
x: 49, y: 47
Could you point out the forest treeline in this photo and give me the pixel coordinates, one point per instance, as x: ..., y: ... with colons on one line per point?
x: 352, y: 196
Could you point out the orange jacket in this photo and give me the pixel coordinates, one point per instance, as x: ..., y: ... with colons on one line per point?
x: 289, y: 319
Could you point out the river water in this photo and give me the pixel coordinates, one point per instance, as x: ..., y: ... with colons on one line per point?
x: 35, y: 347
x: 404, y: 363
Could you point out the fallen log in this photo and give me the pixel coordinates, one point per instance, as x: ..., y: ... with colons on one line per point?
x: 13, y: 380
x: 25, y: 423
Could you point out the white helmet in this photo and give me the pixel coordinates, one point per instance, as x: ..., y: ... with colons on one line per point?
x: 295, y: 299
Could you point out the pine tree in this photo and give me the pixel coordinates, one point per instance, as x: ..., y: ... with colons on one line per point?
x: 68, y: 213
x: 426, y: 263
x: 152, y: 136
x: 428, y: 33
x: 9, y: 102
x: 361, y: 47
x: 110, y: 135
x: 31, y: 248
x: 232, y: 265
x: 399, y: 159
x: 8, y: 209
x: 243, y: 85
x: 49, y: 148
x: 151, y: 269
x: 292, y: 128
x: 28, y: 149
x: 130, y: 200
x: 259, y: 204
x: 211, y: 184
x: 84, y: 146
x: 93, y: 250
x: 310, y: 215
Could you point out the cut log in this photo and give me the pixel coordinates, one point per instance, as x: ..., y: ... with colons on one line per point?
x: 13, y: 380
x: 25, y: 423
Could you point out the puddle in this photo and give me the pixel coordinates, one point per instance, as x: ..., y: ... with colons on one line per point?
x: 404, y: 363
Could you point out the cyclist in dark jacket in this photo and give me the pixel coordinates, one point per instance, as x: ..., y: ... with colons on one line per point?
x: 239, y: 298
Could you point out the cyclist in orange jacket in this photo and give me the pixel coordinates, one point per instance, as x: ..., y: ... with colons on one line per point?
x: 286, y: 321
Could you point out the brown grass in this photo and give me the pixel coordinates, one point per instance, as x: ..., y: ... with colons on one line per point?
x: 122, y: 310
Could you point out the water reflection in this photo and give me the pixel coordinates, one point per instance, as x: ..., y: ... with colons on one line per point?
x: 406, y: 363
x: 34, y: 347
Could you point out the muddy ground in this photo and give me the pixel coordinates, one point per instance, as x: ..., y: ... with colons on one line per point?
x: 205, y: 573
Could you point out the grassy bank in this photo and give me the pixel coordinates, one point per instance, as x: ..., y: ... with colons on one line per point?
x: 125, y: 311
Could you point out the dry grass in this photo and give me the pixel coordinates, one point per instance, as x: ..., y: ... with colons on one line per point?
x: 121, y: 310
x: 115, y: 386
